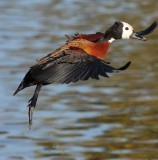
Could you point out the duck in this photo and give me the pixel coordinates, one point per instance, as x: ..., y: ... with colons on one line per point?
x: 80, y: 58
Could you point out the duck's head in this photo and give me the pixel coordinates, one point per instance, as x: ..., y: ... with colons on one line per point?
x: 123, y: 30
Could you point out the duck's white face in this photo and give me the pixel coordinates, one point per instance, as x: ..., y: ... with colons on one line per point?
x: 127, y: 30
x: 121, y: 30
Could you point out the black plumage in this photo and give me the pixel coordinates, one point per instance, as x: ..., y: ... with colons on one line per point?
x: 69, y: 67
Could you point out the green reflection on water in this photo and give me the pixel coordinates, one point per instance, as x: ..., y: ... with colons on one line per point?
x: 112, y: 118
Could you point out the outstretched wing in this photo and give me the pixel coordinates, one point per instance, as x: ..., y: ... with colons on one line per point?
x: 72, y: 67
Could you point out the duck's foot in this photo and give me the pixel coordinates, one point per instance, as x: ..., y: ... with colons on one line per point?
x: 30, y: 113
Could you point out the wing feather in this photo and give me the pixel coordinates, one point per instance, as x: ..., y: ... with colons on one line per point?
x: 72, y: 68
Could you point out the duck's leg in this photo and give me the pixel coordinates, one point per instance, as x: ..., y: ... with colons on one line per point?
x: 32, y: 103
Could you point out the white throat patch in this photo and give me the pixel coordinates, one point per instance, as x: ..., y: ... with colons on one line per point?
x: 111, y: 40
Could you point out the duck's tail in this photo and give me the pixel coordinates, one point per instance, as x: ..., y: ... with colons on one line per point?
x: 26, y: 82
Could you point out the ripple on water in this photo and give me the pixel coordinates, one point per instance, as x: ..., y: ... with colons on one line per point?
x: 113, y: 118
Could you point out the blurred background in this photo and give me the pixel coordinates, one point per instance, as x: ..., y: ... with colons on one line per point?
x: 114, y: 119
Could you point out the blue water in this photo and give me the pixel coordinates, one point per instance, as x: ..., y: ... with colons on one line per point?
x: 114, y: 119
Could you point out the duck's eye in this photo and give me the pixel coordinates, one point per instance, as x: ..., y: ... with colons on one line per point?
x: 126, y: 28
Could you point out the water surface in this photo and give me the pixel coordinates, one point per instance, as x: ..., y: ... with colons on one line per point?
x: 114, y: 119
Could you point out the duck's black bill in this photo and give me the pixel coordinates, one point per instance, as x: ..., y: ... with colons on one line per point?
x: 135, y: 35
